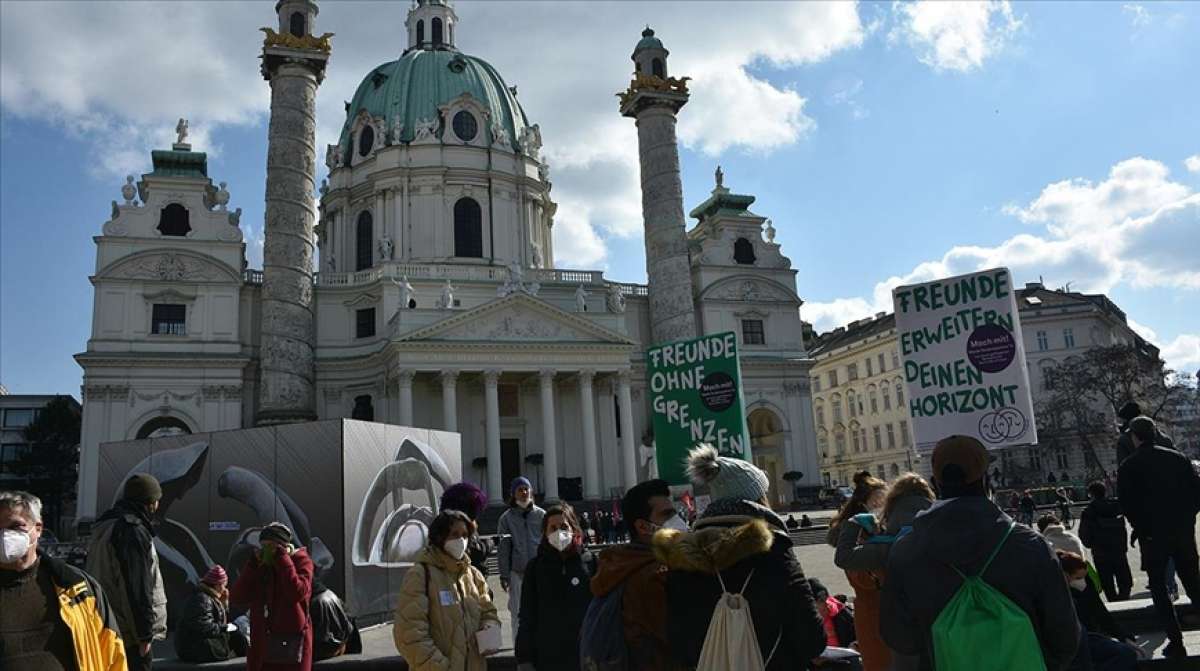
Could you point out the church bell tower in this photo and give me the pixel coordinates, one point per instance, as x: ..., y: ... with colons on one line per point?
x: 293, y: 61
x: 653, y: 99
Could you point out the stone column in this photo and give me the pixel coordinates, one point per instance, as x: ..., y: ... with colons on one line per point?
x: 549, y: 444
x: 491, y: 393
x: 449, y: 400
x: 406, y: 397
x: 587, y: 411
x: 286, y: 391
x: 668, y: 266
x: 628, y: 449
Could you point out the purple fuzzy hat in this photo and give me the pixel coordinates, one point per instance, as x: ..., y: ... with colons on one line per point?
x: 464, y: 497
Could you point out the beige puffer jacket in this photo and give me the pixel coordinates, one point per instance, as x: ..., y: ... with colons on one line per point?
x: 435, y: 627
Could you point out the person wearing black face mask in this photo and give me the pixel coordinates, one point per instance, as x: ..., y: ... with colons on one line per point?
x: 555, y: 596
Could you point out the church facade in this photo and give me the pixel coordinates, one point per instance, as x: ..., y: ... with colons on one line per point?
x: 418, y: 284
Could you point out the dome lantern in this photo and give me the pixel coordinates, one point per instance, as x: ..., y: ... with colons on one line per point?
x: 431, y: 25
x: 650, y: 56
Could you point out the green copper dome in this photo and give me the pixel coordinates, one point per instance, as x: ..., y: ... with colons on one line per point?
x: 412, y: 88
x: 648, y: 41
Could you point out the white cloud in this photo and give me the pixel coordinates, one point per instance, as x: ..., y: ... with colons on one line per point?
x: 848, y: 96
x: 1138, y: 16
x: 954, y: 35
x: 1192, y: 163
x: 1183, y: 353
x: 1135, y: 228
x: 200, y: 60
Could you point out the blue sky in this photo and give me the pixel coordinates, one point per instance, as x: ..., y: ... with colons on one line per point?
x: 887, y: 142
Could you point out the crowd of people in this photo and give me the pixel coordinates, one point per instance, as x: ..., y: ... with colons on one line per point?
x: 942, y: 578
x: 107, y: 616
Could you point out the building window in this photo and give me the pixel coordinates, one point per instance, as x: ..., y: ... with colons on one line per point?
x: 421, y: 32
x: 1043, y: 342
x: 904, y: 439
x: 468, y: 229
x: 366, y: 140
x: 1047, y: 377
x: 816, y: 385
x: 854, y: 439
x: 296, y: 25
x: 168, y: 319
x: 743, y: 252
x: 820, y: 415
x: 895, y: 471
x: 657, y: 69
x: 1068, y: 338
x: 852, y: 372
x: 752, y: 332
x: 465, y: 126
x: 851, y: 404
x: 173, y: 221
x: 891, y: 433
x: 887, y: 399
x: 882, y: 367
x: 1035, y: 459
x: 839, y: 443
x: 870, y: 372
x: 18, y: 418
x: 363, y: 239
x: 895, y: 360
x: 833, y: 382
x: 837, y: 410
x: 364, y: 323
x: 878, y: 439
x: 880, y: 471
x: 900, y: 394
x: 874, y: 402
x: 1060, y: 458
x: 436, y: 31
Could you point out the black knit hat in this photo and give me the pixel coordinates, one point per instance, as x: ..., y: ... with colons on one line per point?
x: 1129, y: 411
x: 143, y: 488
x: 276, y: 531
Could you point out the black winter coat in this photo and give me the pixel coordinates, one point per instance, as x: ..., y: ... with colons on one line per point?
x: 201, y: 636
x: 1094, y: 615
x: 555, y: 596
x: 1102, y: 527
x: 1159, y: 492
x: 734, y: 540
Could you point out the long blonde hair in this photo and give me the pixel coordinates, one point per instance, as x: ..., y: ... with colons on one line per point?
x: 865, y: 485
x: 909, y: 484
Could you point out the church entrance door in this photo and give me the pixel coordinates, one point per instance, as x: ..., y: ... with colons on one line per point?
x: 510, y: 460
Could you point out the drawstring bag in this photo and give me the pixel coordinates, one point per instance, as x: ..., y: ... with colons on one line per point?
x: 731, y: 641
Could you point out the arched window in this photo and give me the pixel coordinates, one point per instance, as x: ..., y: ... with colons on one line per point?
x: 174, y: 220
x: 366, y: 140
x: 436, y: 26
x: 657, y: 68
x: 363, y: 237
x: 162, y: 426
x: 297, y: 26
x: 765, y: 429
x: 421, y: 32
x: 743, y: 252
x: 468, y: 229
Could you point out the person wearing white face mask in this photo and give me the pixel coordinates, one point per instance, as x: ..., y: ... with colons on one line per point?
x: 520, y: 532
x: 1109, y: 647
x: 446, y: 620
x: 52, y: 615
x: 555, y: 596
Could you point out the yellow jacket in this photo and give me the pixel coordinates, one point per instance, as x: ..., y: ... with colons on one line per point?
x: 443, y: 603
x: 86, y: 612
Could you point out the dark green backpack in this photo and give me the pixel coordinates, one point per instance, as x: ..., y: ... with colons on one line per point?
x: 980, y: 629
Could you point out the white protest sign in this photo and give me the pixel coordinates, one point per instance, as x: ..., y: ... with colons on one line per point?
x: 964, y: 360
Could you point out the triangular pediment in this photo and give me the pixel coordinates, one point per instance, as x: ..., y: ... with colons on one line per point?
x: 518, y: 318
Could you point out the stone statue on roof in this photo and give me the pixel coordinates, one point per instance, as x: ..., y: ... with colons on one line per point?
x: 181, y: 130
x: 720, y: 176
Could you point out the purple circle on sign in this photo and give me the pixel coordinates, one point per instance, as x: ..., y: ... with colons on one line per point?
x: 991, y: 348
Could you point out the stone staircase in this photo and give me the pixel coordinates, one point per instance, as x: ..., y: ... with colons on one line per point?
x: 1138, y: 617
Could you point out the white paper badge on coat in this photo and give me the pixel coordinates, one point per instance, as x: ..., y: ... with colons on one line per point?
x: 446, y: 597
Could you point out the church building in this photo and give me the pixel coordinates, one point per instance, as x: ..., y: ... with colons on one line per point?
x: 418, y: 284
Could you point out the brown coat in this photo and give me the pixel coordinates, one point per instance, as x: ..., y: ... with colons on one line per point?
x: 644, y: 607
x: 435, y: 628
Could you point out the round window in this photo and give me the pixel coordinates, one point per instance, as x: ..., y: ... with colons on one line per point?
x: 366, y: 140
x: 465, y: 127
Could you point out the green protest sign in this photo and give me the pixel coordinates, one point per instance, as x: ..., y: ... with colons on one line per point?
x: 696, y: 397
x: 964, y: 360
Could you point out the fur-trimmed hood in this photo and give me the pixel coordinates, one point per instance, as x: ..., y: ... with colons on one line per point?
x: 716, y: 544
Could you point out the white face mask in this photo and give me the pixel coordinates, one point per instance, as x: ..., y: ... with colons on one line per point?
x: 455, y: 547
x: 561, y: 540
x: 1078, y: 584
x: 13, y: 546
x: 676, y: 523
